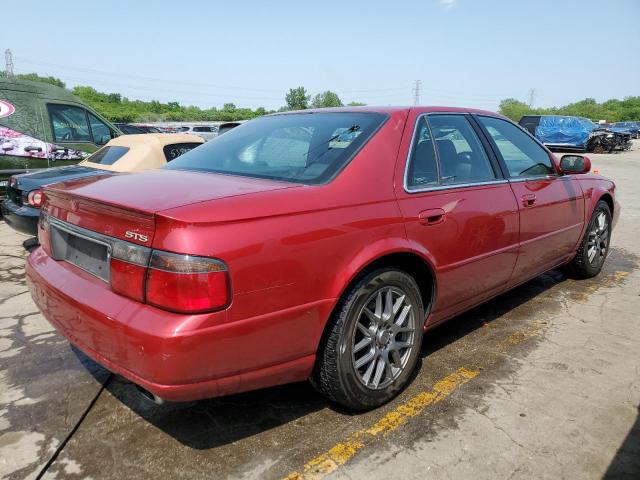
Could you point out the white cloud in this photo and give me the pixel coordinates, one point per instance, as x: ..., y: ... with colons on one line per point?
x: 448, y: 3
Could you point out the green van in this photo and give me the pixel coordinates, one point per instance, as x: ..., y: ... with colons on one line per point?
x: 42, y: 125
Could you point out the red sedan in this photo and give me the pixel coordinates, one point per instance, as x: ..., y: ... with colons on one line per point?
x: 316, y: 244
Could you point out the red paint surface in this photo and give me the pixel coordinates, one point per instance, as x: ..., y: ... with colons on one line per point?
x: 291, y: 251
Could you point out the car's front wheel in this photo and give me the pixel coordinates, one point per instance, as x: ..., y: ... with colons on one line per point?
x: 373, y: 342
x: 594, y: 247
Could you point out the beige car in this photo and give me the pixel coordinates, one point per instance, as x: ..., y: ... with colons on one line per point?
x: 134, y: 153
x: 127, y: 153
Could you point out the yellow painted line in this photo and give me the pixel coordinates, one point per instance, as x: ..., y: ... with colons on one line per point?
x: 339, y: 454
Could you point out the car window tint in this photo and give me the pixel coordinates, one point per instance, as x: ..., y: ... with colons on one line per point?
x: 108, y: 155
x: 69, y: 123
x: 422, y: 170
x: 297, y: 147
x: 173, y: 151
x: 520, y: 153
x: 460, y: 153
x: 100, y: 131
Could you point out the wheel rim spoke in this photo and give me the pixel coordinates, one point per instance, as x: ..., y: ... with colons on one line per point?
x: 383, y: 338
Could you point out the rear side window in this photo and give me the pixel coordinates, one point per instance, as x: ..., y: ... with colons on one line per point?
x: 173, y: 151
x: 203, y: 129
x: 306, y: 148
x: 423, y: 171
x: 520, y: 153
x: 69, y: 123
x: 461, y: 155
x: 108, y: 155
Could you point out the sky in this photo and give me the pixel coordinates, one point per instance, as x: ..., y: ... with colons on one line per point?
x: 469, y: 53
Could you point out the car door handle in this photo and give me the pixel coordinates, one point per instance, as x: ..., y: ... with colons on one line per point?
x: 433, y: 216
x: 529, y: 200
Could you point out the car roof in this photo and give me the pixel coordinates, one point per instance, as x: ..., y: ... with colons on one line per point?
x: 394, y: 109
x: 154, y: 139
x: 145, y: 151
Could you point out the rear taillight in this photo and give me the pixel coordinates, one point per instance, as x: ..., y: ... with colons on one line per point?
x: 35, y: 198
x: 129, y: 269
x: 43, y: 232
x: 186, y: 283
x: 175, y: 282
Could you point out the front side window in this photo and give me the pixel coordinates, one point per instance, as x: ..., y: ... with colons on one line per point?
x: 303, y: 147
x: 461, y: 155
x: 108, y: 155
x: 100, y: 131
x: 69, y: 123
x: 520, y: 153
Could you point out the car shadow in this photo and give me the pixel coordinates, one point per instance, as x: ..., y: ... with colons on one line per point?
x: 216, y: 422
x: 626, y: 463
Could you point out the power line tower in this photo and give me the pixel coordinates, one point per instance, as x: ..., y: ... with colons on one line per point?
x: 417, y: 87
x: 8, y: 63
x: 532, y: 97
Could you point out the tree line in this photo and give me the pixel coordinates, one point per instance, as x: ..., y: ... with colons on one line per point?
x: 117, y: 108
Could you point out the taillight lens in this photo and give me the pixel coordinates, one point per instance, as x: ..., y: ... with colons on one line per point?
x: 35, y: 198
x: 171, y: 281
x: 129, y: 269
x: 186, y: 283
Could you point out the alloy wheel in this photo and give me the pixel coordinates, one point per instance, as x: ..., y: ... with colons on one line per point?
x: 383, y: 338
x: 598, y: 239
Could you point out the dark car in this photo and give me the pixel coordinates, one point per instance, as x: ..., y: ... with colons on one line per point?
x: 129, y: 129
x: 632, y: 127
x: 127, y: 153
x: 565, y: 132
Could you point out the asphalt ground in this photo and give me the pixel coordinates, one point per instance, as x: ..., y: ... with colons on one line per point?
x: 541, y: 382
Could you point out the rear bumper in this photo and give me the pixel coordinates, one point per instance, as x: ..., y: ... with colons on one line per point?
x: 176, y: 357
x: 23, y: 218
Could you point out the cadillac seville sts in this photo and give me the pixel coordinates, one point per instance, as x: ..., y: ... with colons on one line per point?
x: 310, y: 245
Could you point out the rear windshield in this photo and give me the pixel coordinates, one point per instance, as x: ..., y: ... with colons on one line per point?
x: 108, y: 155
x: 173, y: 151
x: 302, y: 147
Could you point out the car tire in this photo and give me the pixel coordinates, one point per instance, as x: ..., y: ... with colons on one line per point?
x: 594, y: 247
x: 372, y: 344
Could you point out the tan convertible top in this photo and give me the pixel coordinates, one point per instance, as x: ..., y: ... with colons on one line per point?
x: 145, y: 151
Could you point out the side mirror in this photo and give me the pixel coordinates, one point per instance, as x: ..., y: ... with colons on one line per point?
x: 575, y: 164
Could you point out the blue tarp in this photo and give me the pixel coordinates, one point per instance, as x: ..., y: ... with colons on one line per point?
x: 561, y: 130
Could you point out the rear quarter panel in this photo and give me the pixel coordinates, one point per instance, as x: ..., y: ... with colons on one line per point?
x: 292, y: 248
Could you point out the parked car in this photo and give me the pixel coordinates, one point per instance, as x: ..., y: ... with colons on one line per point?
x: 227, y: 126
x: 42, y: 125
x: 204, y: 131
x: 318, y: 244
x: 129, y: 129
x: 561, y: 132
x: 128, y: 153
x: 631, y: 127
x: 149, y: 129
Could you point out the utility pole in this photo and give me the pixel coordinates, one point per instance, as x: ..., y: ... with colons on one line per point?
x: 417, y: 87
x: 8, y: 63
x: 532, y: 97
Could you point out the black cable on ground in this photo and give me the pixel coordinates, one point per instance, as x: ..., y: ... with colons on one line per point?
x: 74, y: 429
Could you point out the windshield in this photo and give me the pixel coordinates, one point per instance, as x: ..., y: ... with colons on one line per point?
x: 303, y: 147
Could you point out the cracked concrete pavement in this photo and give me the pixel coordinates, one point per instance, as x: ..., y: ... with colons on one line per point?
x: 556, y: 395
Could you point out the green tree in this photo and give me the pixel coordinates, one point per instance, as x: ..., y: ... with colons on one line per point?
x: 297, y: 99
x: 326, y: 99
x: 514, y: 109
x: 357, y: 104
x: 34, y: 77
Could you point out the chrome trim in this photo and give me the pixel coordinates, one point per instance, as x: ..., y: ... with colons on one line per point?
x: 533, y: 179
x: 458, y: 185
x: 405, y: 184
x: 113, y: 244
